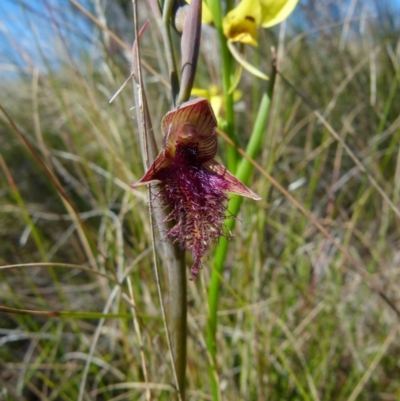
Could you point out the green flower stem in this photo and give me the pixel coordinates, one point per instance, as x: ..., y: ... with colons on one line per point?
x: 227, y: 59
x: 243, y: 174
x: 226, y: 71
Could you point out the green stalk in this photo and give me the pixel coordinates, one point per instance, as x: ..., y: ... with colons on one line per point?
x: 226, y: 72
x: 244, y: 173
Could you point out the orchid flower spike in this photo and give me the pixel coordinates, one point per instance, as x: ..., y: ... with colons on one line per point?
x: 190, y: 182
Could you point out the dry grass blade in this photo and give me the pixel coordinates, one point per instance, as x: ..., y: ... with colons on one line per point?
x: 118, y: 40
x: 317, y: 224
x: 84, y: 233
x: 348, y: 150
x: 381, y: 352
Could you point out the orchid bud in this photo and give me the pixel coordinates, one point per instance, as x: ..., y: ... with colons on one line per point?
x: 180, y: 17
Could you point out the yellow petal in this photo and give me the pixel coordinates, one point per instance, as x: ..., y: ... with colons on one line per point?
x: 236, y: 79
x: 245, y: 64
x: 206, y: 16
x: 214, y: 90
x: 216, y: 104
x: 200, y: 92
x: 214, y: 96
x: 275, y: 11
x: 241, y: 23
x: 237, y: 94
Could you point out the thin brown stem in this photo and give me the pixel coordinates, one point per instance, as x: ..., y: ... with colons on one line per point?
x: 175, y: 320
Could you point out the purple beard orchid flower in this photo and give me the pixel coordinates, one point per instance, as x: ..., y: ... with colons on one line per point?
x: 190, y: 182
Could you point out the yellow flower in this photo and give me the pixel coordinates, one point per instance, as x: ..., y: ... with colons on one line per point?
x: 214, y: 96
x: 241, y: 24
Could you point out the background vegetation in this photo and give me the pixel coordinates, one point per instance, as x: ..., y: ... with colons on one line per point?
x: 296, y: 321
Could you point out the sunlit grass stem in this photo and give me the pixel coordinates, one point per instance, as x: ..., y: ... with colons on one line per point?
x: 244, y: 173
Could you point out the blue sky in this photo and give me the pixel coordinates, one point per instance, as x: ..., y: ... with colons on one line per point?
x: 29, y: 30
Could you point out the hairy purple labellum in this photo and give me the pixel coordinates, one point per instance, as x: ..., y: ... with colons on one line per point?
x: 190, y: 182
x: 197, y: 200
